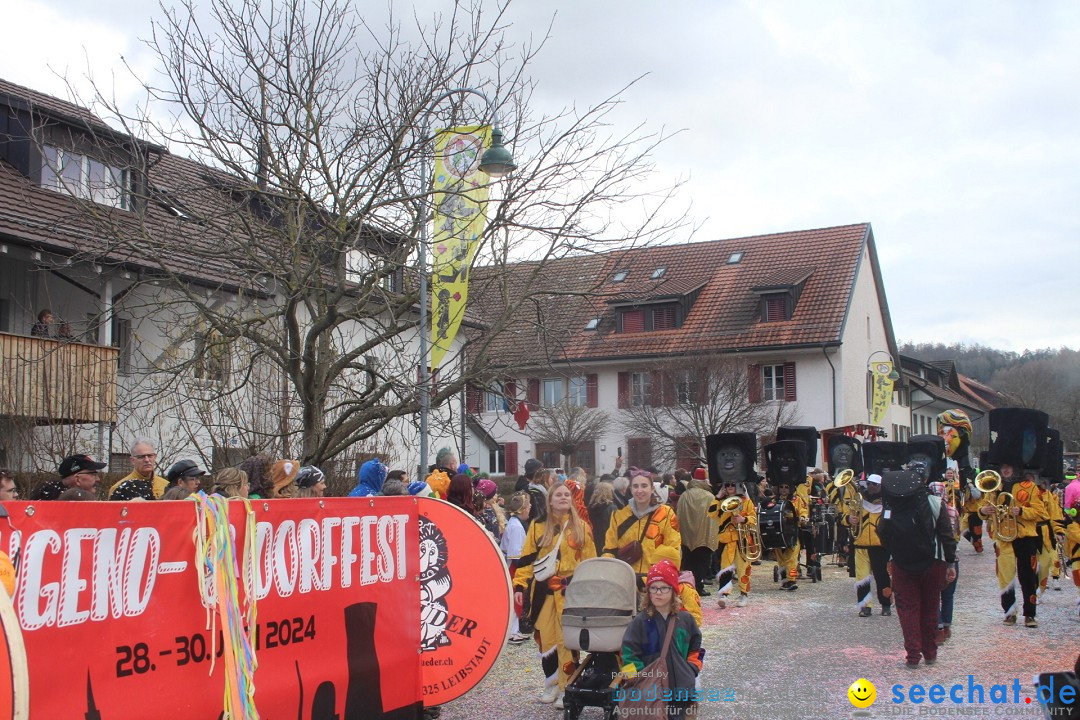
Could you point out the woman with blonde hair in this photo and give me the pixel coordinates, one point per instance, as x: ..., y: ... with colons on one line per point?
x: 635, y: 531
x: 553, y: 549
x: 231, y: 483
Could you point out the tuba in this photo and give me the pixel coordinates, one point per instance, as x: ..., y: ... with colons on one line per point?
x: 1003, y: 525
x: 749, y: 536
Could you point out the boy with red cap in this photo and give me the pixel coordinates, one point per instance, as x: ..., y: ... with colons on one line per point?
x: 644, y: 638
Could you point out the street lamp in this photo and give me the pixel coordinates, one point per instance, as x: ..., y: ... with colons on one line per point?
x: 496, y: 162
x: 893, y: 374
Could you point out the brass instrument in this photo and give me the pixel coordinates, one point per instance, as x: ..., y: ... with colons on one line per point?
x: 1002, y: 522
x: 850, y: 497
x: 952, y: 498
x: 748, y: 536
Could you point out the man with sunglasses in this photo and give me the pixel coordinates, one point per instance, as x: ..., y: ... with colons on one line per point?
x: 734, y: 566
x: 76, y: 471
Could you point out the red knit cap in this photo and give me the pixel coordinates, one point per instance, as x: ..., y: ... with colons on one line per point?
x: 701, y: 474
x: 665, y: 572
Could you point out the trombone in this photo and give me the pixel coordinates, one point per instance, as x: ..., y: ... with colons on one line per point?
x: 1002, y: 522
x: 749, y: 536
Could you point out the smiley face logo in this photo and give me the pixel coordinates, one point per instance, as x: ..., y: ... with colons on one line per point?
x: 862, y: 693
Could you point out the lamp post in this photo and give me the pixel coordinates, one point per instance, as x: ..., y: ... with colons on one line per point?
x: 893, y: 376
x: 496, y: 162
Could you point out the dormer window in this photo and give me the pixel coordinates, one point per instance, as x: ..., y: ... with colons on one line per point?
x: 658, y: 273
x: 83, y: 177
x: 665, y: 316
x: 779, y: 294
x: 619, y: 276
x: 776, y: 307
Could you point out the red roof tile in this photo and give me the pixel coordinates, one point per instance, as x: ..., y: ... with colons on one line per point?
x: 725, y: 316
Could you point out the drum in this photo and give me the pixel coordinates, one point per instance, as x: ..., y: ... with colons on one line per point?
x: 778, y: 526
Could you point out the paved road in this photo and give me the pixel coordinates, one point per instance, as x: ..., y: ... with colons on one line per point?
x: 793, y: 655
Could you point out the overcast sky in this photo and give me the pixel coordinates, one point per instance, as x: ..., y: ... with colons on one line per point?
x: 954, y: 128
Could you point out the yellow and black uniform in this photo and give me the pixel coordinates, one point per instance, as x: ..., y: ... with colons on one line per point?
x: 973, y: 532
x: 788, y: 558
x: 1017, y: 560
x: 158, y: 484
x: 1053, y: 525
x: 733, y: 564
x: 547, y: 596
x: 1071, y: 524
x: 871, y: 560
x: 655, y: 526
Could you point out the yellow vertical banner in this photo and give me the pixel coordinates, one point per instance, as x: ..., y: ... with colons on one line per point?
x: 461, y: 194
x: 881, y: 397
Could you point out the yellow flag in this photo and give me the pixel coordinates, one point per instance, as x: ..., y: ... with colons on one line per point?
x: 461, y: 194
x: 882, y: 394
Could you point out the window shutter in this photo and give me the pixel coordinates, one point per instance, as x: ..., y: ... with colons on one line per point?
x: 591, y: 394
x: 775, y: 308
x: 624, y: 390
x: 510, y: 463
x: 510, y: 390
x: 753, y: 382
x: 702, y: 380
x: 474, y: 399
x: 789, y: 381
x: 633, y: 321
x: 664, y: 317
x: 533, y: 395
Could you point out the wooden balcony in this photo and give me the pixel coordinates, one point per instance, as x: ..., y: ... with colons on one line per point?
x: 49, y: 381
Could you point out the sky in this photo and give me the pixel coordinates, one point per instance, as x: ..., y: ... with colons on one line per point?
x: 951, y: 127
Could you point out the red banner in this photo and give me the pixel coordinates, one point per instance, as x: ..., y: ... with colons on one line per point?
x: 465, y: 601
x: 108, y: 600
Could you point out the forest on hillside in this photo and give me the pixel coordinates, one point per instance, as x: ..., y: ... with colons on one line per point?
x: 1048, y: 379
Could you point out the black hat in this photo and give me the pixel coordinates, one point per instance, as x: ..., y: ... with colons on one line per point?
x: 77, y: 463
x: 183, y: 469
x: 1018, y: 437
x: 309, y: 476
x: 786, y: 460
x: 984, y: 461
x: 884, y: 455
x: 1053, y: 468
x: 807, y: 433
x: 531, y: 466
x: 933, y: 446
x: 901, y: 483
x: 834, y: 441
x: 746, y: 442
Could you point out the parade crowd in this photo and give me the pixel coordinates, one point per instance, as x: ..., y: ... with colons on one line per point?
x: 892, y: 513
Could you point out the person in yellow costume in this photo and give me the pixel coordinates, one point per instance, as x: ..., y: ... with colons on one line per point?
x: 635, y: 531
x: 788, y: 558
x: 871, y: 559
x: 688, y: 594
x: 733, y: 564
x: 1051, y: 531
x: 1017, y: 560
x: 553, y: 549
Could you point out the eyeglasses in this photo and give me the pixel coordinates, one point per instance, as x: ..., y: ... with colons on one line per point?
x: 729, y: 484
x: 146, y: 456
x: 659, y: 589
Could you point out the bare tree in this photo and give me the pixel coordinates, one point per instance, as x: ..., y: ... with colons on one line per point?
x: 299, y: 209
x: 690, y: 398
x: 569, y: 425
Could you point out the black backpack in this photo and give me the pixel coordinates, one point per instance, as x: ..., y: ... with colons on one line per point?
x: 907, y: 526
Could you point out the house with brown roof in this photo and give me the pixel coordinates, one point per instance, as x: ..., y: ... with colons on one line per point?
x: 802, y: 313
x: 70, y: 185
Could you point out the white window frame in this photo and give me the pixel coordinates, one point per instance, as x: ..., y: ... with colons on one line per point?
x: 772, y: 382
x: 552, y: 391
x: 577, y: 391
x: 686, y: 388
x: 113, y: 193
x: 495, y: 399
x: 640, y: 388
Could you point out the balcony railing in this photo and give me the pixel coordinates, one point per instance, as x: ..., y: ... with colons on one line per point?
x: 52, y: 381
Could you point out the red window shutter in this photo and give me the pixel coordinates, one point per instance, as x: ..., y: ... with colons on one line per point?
x: 664, y: 318
x: 624, y: 389
x: 591, y: 394
x: 703, y: 391
x: 753, y: 382
x: 789, y: 381
x: 510, y: 389
x: 533, y: 395
x: 669, y: 390
x: 633, y: 321
x: 474, y: 400
x: 510, y: 462
x: 775, y: 308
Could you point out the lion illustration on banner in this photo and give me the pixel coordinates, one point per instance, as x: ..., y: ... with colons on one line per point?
x: 435, y: 583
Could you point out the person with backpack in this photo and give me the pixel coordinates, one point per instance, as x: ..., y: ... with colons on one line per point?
x: 916, y: 530
x: 871, y: 559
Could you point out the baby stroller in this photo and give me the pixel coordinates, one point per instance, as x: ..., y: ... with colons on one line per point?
x: 600, y: 602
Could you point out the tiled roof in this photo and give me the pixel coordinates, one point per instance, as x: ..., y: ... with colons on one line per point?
x: 10, y: 93
x: 980, y: 395
x: 725, y: 317
x: 785, y: 276
x: 937, y: 391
